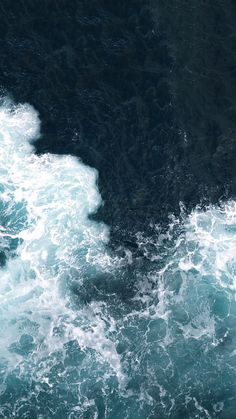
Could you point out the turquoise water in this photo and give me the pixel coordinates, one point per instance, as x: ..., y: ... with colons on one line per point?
x: 86, y: 333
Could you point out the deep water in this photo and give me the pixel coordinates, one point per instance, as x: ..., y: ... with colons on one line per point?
x: 141, y: 90
x: 117, y: 209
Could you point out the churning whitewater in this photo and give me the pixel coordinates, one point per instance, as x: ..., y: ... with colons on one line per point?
x: 84, y: 334
x: 47, y: 241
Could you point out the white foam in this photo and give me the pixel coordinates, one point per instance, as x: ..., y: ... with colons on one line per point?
x: 45, y: 204
x: 193, y: 261
x: 213, y: 231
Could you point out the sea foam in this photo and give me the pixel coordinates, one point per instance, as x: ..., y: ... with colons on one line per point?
x: 47, y: 241
x: 151, y: 339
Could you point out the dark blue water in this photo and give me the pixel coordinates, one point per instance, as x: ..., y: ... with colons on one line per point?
x: 117, y: 209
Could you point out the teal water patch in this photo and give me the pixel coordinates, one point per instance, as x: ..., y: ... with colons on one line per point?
x: 86, y: 334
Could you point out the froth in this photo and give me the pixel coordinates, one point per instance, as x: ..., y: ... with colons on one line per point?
x: 47, y: 240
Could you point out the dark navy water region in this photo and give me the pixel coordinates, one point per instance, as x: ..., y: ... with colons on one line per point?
x: 117, y: 209
x: 123, y: 85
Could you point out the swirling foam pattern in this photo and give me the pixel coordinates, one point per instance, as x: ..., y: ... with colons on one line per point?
x: 84, y: 334
x: 47, y: 240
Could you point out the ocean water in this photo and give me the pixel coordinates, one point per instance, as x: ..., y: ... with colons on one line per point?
x: 117, y: 209
x: 87, y: 332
